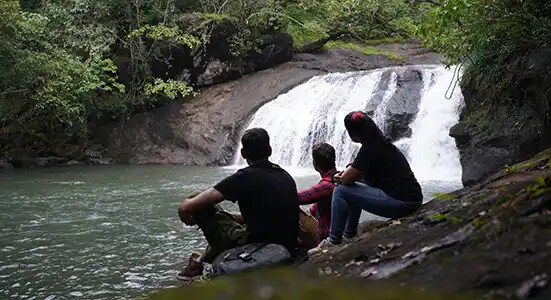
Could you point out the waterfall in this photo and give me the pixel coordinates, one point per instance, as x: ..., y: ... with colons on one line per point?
x: 432, y: 152
x: 314, y: 111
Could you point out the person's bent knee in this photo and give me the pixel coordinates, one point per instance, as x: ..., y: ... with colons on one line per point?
x: 338, y: 191
x: 341, y: 191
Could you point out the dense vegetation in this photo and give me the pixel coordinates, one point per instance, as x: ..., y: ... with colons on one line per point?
x: 487, y: 34
x: 69, y: 64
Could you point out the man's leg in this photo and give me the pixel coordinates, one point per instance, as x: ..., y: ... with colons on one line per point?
x: 221, y: 231
x: 308, y: 231
x: 340, y: 210
x: 349, y: 200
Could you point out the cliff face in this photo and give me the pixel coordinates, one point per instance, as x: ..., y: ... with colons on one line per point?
x: 507, y: 121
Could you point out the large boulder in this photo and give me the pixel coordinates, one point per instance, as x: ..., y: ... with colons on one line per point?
x: 504, y: 123
x: 5, y: 164
x: 394, y: 112
x: 274, y: 49
x: 200, y: 131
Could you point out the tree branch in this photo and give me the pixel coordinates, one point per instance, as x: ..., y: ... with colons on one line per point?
x: 315, y: 46
x: 13, y: 91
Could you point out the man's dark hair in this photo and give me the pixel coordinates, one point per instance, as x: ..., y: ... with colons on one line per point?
x: 256, y: 144
x: 324, y: 156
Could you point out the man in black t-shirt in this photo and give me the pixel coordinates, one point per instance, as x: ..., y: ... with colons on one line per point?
x: 267, y: 198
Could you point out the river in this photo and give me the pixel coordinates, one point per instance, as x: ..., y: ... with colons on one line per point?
x: 103, y: 232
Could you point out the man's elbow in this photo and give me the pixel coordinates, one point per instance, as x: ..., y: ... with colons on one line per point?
x: 183, y: 208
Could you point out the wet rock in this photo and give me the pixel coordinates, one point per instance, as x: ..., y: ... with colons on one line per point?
x: 287, y: 284
x: 526, y: 251
x: 368, y: 272
x: 215, y: 71
x: 528, y: 287
x: 5, y: 164
x: 400, y: 108
x: 74, y: 163
x: 505, y: 123
x: 99, y: 161
x: 200, y: 131
x: 37, y: 162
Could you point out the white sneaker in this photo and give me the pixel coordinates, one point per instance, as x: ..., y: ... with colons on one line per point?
x: 323, y: 245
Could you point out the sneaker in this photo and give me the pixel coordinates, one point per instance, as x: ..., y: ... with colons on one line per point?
x: 193, y: 269
x: 347, y: 240
x: 325, y: 244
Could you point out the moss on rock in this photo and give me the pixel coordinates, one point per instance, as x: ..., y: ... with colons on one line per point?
x: 292, y: 284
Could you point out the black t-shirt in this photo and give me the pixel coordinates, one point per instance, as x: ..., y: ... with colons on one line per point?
x: 385, y: 167
x: 268, y: 201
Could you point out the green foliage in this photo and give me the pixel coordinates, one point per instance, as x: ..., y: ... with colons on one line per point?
x: 365, y: 49
x: 443, y: 196
x: 510, y: 169
x: 358, y: 20
x: 480, y: 222
x: 162, y: 32
x: 539, y: 188
x: 488, y: 32
x: 87, y: 28
x: 517, y: 167
x: 443, y: 217
x: 251, y: 19
x: 41, y: 85
x: 169, y: 88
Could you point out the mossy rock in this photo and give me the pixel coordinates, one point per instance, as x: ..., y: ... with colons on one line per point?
x: 291, y: 284
x: 365, y: 49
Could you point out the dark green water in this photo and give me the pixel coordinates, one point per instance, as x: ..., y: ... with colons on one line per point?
x: 102, y: 232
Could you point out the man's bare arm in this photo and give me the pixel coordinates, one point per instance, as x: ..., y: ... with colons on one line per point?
x: 192, y: 205
x: 349, y: 176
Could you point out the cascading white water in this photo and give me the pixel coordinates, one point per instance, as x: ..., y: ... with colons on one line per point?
x: 380, y: 111
x: 432, y: 152
x: 314, y: 112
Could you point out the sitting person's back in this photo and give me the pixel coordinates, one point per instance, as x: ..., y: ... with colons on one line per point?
x: 267, y: 198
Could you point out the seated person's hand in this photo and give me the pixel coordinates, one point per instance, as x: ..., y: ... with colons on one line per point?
x: 337, y: 178
x: 186, y: 218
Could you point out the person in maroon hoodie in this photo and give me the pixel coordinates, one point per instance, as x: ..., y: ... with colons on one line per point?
x: 320, y: 194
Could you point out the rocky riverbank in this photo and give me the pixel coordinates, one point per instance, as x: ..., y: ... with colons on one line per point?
x: 491, y: 240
